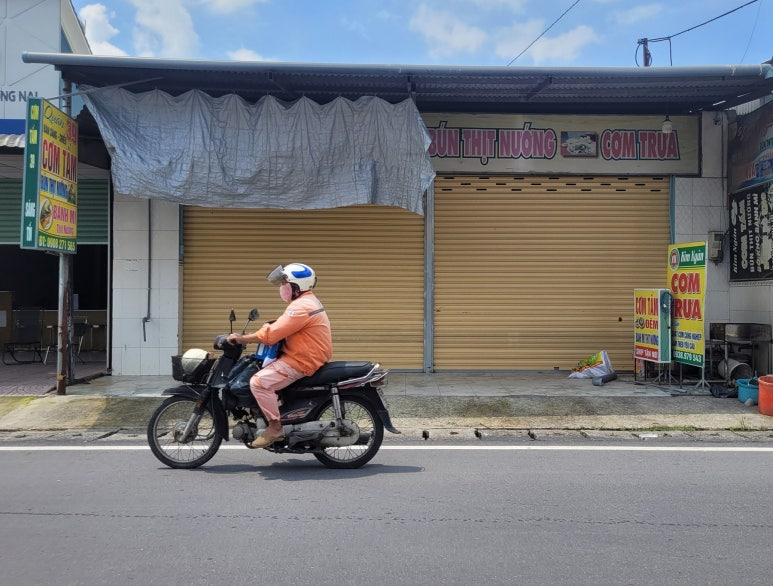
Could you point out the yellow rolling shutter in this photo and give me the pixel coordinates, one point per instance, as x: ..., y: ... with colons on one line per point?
x: 369, y: 260
x: 538, y: 272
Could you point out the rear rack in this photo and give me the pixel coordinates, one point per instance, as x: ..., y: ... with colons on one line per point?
x: 356, y: 382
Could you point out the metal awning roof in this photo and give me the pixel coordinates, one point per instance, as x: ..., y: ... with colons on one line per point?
x: 587, y: 90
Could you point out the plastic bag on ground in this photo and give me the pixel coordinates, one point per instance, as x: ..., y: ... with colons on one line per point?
x: 596, y: 365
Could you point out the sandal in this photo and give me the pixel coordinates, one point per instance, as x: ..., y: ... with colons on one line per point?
x: 264, y: 440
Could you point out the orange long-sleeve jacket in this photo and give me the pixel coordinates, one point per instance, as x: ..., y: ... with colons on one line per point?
x: 305, y: 328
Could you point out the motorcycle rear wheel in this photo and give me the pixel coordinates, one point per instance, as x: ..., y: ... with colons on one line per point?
x: 166, y: 423
x: 365, y: 416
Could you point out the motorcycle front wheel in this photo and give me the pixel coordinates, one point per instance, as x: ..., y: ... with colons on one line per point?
x: 165, y: 431
x: 364, y: 415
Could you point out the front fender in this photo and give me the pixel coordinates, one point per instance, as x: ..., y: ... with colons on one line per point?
x: 183, y: 391
x: 215, y: 406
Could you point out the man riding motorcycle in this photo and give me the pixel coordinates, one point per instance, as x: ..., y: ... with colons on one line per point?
x: 304, y: 328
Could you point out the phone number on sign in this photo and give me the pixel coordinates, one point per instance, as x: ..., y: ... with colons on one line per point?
x: 54, y: 243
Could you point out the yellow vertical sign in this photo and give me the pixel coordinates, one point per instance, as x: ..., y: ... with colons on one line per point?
x: 50, y: 193
x: 652, y: 325
x: 687, y: 283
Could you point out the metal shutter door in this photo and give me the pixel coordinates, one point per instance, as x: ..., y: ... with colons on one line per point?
x: 369, y: 261
x: 536, y: 273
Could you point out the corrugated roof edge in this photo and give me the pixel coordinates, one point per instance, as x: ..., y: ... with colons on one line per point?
x: 761, y: 71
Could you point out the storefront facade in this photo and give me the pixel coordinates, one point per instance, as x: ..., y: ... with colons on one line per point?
x: 534, y: 234
x: 527, y: 270
x: 506, y: 271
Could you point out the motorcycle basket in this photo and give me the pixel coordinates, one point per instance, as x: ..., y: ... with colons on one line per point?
x: 198, y: 375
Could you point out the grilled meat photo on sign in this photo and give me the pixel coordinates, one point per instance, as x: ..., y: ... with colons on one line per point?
x: 46, y: 216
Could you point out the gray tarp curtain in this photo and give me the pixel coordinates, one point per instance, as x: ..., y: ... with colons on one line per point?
x: 194, y: 149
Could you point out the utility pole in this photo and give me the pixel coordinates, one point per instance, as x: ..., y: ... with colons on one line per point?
x: 63, y: 357
x: 647, y: 55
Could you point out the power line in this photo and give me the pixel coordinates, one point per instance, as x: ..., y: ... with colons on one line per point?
x: 687, y: 30
x: 544, y: 32
x: 751, y: 35
x: 644, y: 42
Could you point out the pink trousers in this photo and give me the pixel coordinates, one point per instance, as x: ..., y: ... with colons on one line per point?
x: 267, y: 381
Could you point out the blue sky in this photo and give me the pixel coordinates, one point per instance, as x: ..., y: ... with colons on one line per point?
x: 593, y: 33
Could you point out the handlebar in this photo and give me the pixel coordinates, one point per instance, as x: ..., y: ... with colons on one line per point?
x: 222, y: 340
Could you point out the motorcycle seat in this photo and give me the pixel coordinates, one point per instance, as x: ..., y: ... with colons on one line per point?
x: 332, y: 372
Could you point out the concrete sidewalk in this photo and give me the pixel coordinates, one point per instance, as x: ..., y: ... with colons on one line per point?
x: 417, y: 402
x: 36, y: 378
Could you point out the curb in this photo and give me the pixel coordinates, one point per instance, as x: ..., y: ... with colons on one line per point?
x: 523, y: 412
x: 525, y: 438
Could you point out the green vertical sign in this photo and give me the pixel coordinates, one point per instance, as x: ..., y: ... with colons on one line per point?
x: 31, y: 191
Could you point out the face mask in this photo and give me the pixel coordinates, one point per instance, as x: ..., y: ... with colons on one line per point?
x: 286, y: 292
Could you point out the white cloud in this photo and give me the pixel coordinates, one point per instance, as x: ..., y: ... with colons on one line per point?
x: 561, y: 49
x: 229, y: 6
x: 98, y: 30
x: 446, y: 34
x: 564, y: 48
x: 512, y: 40
x: 164, y: 29
x: 514, y: 5
x: 356, y: 27
x: 385, y: 15
x: 636, y: 14
x: 243, y: 54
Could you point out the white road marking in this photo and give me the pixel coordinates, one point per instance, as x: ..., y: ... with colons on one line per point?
x: 592, y: 448
x: 429, y: 448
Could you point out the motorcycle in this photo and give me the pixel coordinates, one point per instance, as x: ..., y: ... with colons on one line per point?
x: 338, y: 414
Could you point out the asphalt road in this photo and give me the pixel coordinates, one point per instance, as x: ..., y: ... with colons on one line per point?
x: 421, y: 513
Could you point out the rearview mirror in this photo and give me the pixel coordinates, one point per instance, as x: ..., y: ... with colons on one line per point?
x: 253, y: 315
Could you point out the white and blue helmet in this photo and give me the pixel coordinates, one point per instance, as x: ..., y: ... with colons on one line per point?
x: 300, y: 274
